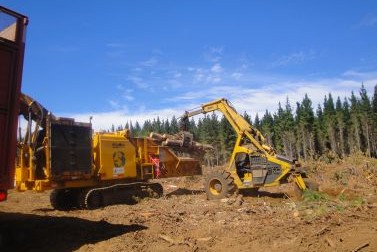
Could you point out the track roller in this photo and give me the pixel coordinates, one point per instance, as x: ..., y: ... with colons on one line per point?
x: 155, y: 190
x: 93, y: 199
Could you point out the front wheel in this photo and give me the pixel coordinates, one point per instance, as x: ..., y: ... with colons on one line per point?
x: 219, y: 185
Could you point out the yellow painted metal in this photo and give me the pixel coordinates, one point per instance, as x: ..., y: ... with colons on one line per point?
x: 299, y: 181
x: 215, y: 187
x: 248, y: 177
x: 115, y: 156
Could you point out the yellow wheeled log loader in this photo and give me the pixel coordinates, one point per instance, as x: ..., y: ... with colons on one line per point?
x: 87, y: 170
x: 253, y: 163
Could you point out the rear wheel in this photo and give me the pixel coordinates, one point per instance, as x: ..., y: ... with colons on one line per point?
x: 219, y: 185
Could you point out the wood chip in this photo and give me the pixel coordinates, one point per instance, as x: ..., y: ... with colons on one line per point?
x: 167, y: 238
x: 174, y: 242
x: 364, y: 245
x: 322, y: 230
x: 205, y: 239
x: 330, y: 242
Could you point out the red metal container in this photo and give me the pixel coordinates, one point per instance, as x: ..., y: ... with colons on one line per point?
x: 12, y: 44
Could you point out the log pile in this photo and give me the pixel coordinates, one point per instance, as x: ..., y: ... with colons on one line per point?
x: 181, y: 142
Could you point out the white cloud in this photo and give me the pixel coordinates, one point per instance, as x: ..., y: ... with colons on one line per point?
x: 104, y: 120
x: 150, y: 62
x: 114, y: 104
x: 214, y: 54
x: 138, y: 81
x: 127, y: 96
x: 267, y: 96
x: 216, y: 68
x: 358, y: 74
x: 175, y: 83
x: 177, y: 75
x: 136, y: 69
x: 213, y: 79
x: 367, y: 21
x: 294, y: 58
x: 245, y: 96
x: 116, y: 45
x: 217, y: 50
x: 237, y: 75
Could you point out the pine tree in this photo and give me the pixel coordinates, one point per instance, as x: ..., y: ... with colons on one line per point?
x: 174, y: 126
x: 284, y: 135
x: 165, y: 126
x: 193, y: 128
x: 348, y: 124
x: 354, y: 139
x: 340, y: 127
x: 374, y: 124
x: 304, y: 128
x: 257, y: 122
x: 319, y: 135
x: 267, y: 127
x: 247, y: 117
x: 227, y: 139
x: 136, y: 130
x: 279, y: 127
x: 329, y: 123
x: 366, y: 120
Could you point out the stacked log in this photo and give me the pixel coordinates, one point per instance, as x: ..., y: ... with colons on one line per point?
x: 182, y: 141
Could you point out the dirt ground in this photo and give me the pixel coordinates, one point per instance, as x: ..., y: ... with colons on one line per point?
x: 342, y: 217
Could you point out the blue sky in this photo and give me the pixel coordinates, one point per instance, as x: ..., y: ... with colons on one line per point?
x: 135, y: 60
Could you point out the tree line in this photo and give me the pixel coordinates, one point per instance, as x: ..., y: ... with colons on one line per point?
x: 334, y: 129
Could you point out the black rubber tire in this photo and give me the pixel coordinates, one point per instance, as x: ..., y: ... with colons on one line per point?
x: 219, y: 185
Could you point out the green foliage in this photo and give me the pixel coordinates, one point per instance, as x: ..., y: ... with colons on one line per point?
x: 314, y: 196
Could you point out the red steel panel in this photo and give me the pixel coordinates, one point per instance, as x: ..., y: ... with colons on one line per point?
x: 11, y: 64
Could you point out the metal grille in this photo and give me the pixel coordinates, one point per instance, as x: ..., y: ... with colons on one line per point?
x: 70, y: 150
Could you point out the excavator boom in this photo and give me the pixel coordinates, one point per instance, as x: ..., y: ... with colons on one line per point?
x: 238, y: 123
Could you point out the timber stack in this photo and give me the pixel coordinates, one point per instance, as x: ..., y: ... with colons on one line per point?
x: 181, y: 143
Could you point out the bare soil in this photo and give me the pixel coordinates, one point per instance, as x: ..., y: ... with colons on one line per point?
x: 343, y: 217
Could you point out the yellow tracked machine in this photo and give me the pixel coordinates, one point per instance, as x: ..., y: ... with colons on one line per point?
x: 87, y: 170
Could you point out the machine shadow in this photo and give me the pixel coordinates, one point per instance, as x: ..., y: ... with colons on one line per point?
x: 183, y: 191
x: 28, y: 232
x: 276, y: 195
